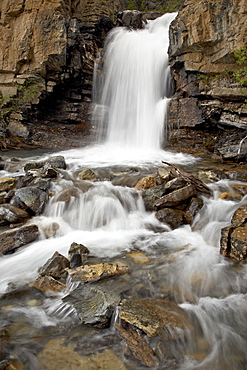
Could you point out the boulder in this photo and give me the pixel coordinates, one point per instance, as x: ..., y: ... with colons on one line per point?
x: 13, y: 239
x: 31, y: 199
x: 87, y: 174
x: 54, y: 266
x: 172, y: 217
x: 146, y: 183
x: 7, y: 183
x: 12, y: 214
x: 56, y: 162
x: 97, y: 272
x: 175, y: 184
x: 138, y: 346
x: 154, y: 315
x: 66, y: 195
x: 176, y: 197
x: 78, y: 254
x: 150, y: 196
x: 93, y: 304
x: 45, y: 283
x: 233, y: 243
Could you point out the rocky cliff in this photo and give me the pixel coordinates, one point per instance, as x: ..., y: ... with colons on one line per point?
x: 47, y: 56
x: 204, y: 39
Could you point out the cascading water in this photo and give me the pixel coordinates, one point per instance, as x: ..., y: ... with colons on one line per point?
x: 136, y: 86
x: 184, y: 264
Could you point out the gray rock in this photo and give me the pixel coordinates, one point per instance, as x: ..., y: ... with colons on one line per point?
x: 12, y: 214
x: 31, y: 199
x: 13, y: 239
x: 54, y: 266
x: 172, y: 217
x: 150, y: 196
x: 176, y: 197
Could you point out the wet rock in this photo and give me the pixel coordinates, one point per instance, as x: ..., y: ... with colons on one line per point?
x: 51, y: 229
x: 2, y: 196
x: 45, y: 283
x: 94, y: 304
x: 154, y: 315
x: 176, y: 197
x: 150, y: 196
x: 87, y: 174
x: 138, y: 257
x: 56, y: 355
x: 57, y: 162
x: 175, y: 184
x: 130, y: 18
x: 31, y: 199
x: 137, y: 345
x: 233, y: 243
x: 4, y: 341
x: 97, y: 272
x: 146, y: 183
x: 194, y: 206
x: 78, y: 254
x: 66, y: 195
x: 164, y: 175
x: 84, y: 186
x: 172, y: 217
x: 55, y: 266
x: 212, y: 176
x: 13, y: 239
x: 12, y: 214
x: 7, y: 183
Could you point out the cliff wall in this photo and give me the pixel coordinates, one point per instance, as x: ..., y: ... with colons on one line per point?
x: 47, y: 56
x: 203, y: 41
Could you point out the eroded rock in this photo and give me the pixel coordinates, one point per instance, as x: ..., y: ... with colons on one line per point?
x: 45, y: 283
x: 97, y: 272
x: 31, y: 199
x: 146, y: 183
x: 13, y: 239
x: 176, y: 197
x: 55, y: 266
x: 7, y: 183
x: 12, y: 214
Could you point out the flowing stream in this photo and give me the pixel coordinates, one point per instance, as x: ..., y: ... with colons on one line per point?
x: 110, y: 219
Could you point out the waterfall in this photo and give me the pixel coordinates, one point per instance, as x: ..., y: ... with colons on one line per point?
x: 131, y: 98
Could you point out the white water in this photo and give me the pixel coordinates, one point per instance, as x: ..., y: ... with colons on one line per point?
x: 112, y: 220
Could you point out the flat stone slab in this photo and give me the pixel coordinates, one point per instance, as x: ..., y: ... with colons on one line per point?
x: 11, y: 240
x: 96, y: 272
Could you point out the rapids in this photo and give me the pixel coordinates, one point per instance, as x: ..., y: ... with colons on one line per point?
x: 184, y: 264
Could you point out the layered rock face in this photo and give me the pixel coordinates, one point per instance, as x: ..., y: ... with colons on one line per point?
x: 46, y: 67
x: 203, y: 39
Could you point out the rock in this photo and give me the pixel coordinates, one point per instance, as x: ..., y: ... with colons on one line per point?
x: 172, y: 217
x: 146, y: 183
x: 97, y: 272
x: 233, y: 243
x: 176, y: 197
x: 54, y: 266
x: 130, y: 19
x: 194, y: 206
x: 138, y: 257
x: 12, y: 214
x: 7, y: 183
x: 94, y: 304
x: 137, y: 345
x: 45, y: 283
x: 56, y: 355
x: 51, y: 229
x: 150, y: 196
x: 175, y: 184
x: 87, y: 174
x: 164, y: 174
x: 4, y: 341
x: 56, y: 162
x: 13, y: 239
x: 3, y: 194
x: 78, y: 254
x: 154, y: 315
x: 66, y: 195
x: 31, y: 199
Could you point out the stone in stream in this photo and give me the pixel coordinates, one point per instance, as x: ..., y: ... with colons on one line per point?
x: 233, y: 243
x: 78, y: 254
x: 12, y: 214
x: 146, y: 183
x: 31, y: 199
x: 54, y: 266
x: 150, y: 196
x: 7, y: 183
x: 66, y: 195
x: 138, y: 346
x: 153, y: 316
x: 13, y: 239
x: 172, y: 217
x: 177, y: 196
x: 87, y: 174
x: 57, y: 162
x: 96, y: 272
x: 45, y: 283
